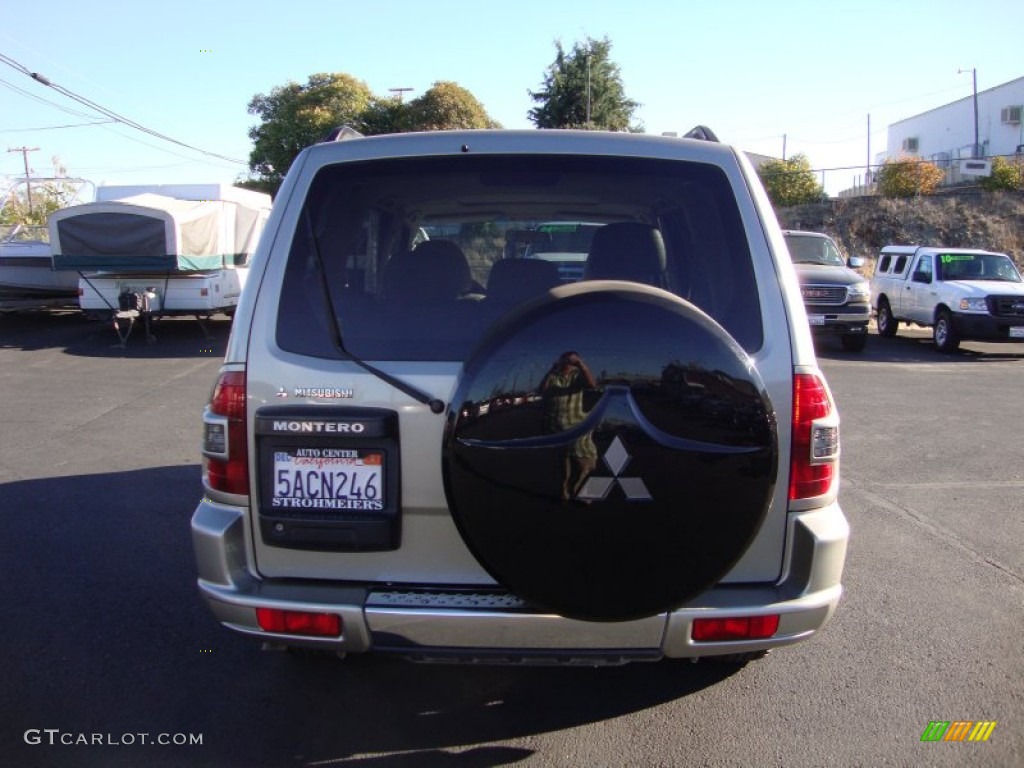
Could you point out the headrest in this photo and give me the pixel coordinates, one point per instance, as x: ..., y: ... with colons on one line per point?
x: 514, y: 280
x: 972, y: 268
x: 627, y: 250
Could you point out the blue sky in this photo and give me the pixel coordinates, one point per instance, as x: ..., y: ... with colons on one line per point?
x: 752, y: 71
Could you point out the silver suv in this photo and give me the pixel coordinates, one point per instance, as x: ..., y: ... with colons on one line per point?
x: 423, y: 442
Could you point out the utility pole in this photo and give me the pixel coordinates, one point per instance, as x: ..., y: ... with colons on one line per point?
x: 783, y: 147
x: 400, y: 91
x: 974, y: 78
x: 867, y: 168
x: 28, y: 180
x: 588, y: 87
x: 975, y: 154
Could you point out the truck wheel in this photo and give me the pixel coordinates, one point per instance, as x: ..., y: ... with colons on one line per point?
x: 943, y: 333
x: 610, y: 452
x: 887, y: 324
x: 854, y: 342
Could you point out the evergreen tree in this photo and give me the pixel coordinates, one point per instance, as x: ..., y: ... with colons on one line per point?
x: 583, y: 89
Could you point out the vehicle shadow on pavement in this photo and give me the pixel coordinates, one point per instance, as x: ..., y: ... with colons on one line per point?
x: 105, y: 633
x: 76, y: 334
x: 919, y: 348
x: 388, y: 707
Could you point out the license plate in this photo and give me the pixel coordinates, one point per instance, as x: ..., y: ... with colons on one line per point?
x: 328, y: 479
x: 816, y: 319
x: 1017, y: 332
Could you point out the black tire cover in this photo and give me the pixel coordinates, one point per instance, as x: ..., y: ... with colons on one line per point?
x: 620, y: 500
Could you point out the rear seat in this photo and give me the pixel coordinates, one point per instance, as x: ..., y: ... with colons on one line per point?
x: 427, y: 298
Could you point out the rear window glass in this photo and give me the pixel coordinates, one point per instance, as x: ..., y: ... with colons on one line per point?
x: 416, y: 258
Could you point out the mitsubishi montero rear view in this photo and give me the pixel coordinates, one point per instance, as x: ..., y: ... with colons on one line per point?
x: 427, y: 439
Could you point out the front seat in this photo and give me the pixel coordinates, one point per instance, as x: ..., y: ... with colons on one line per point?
x: 627, y: 250
x: 513, y: 281
x: 435, y: 272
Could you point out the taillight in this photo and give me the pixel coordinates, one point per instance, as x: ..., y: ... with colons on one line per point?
x: 299, y: 622
x: 224, y: 445
x: 815, y: 447
x: 734, y: 628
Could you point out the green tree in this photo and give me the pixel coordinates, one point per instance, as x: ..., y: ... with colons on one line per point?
x: 47, y: 197
x: 294, y: 116
x: 790, y: 182
x: 446, y: 106
x: 385, y: 116
x: 1006, y: 174
x: 908, y: 177
x: 584, y: 74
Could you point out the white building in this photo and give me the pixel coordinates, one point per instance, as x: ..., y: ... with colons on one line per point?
x: 945, y: 135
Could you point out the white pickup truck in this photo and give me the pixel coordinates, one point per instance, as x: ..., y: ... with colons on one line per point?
x: 963, y: 294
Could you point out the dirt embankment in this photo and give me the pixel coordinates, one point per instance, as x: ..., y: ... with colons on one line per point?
x: 990, y: 220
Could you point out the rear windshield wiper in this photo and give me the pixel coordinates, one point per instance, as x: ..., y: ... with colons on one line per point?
x: 435, y: 405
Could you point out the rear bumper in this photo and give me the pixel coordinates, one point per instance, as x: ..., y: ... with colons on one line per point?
x: 429, y: 622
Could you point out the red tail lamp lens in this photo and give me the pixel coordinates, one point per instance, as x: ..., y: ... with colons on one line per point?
x: 228, y: 400
x: 810, y: 402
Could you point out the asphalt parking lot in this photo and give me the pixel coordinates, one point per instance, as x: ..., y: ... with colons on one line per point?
x: 105, y: 633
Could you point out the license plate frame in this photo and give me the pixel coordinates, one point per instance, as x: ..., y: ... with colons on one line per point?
x: 1017, y: 332
x: 327, y: 479
x: 333, y: 432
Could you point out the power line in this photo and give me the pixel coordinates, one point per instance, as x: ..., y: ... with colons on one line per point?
x: 101, y: 123
x: 41, y: 100
x: 166, y: 151
x: 43, y: 80
x: 873, y: 109
x: 54, y: 127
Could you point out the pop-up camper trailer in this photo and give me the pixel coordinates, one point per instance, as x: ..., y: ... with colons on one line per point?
x: 160, y: 250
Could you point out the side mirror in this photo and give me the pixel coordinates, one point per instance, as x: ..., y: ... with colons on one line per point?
x: 855, y: 262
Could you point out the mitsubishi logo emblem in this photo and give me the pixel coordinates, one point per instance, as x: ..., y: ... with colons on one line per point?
x: 615, y: 458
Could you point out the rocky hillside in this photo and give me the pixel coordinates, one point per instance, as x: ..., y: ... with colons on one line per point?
x: 993, y: 221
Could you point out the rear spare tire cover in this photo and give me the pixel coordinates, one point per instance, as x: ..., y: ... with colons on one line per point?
x: 610, y: 451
